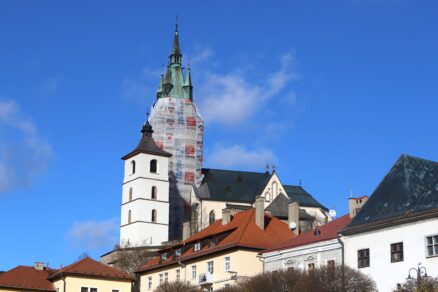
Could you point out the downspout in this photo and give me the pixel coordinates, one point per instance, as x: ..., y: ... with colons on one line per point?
x: 343, y: 263
x: 63, y: 279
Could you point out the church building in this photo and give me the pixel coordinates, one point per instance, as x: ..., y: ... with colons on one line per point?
x: 166, y: 188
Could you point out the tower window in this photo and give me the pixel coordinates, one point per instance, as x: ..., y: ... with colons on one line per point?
x: 130, y: 194
x: 211, y: 217
x: 154, y: 193
x: 153, y: 166
x: 129, y: 216
x: 154, y: 216
x: 132, y: 166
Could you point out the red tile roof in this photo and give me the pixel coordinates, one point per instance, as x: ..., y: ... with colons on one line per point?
x: 326, y: 232
x: 24, y: 277
x: 90, y: 267
x: 242, y: 231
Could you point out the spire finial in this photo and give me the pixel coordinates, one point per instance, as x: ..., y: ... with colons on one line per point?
x: 188, y: 64
x: 176, y: 24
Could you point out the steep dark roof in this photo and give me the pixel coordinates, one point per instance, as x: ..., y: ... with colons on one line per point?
x: 409, y: 189
x: 279, y: 207
x: 231, y: 185
x: 300, y: 195
x: 147, y: 144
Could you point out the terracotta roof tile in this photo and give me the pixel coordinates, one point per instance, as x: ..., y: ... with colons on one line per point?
x: 242, y: 231
x: 24, y: 277
x: 326, y: 232
x: 90, y: 267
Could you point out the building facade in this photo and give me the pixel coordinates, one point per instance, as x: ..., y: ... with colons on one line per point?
x: 221, y: 254
x: 397, y: 229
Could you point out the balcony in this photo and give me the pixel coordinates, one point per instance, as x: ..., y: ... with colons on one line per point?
x: 205, y: 279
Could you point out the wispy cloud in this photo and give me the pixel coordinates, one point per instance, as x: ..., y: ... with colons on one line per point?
x: 92, y: 235
x: 233, y: 97
x: 140, y: 89
x: 238, y: 156
x: 23, y: 153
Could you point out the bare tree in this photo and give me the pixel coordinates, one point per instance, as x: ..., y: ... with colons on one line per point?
x: 424, y: 284
x: 177, y: 287
x: 323, y: 280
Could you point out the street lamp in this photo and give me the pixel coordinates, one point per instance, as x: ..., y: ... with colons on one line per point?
x: 419, y: 270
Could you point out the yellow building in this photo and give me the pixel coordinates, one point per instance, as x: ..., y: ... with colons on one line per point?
x: 86, y: 275
x: 219, y: 255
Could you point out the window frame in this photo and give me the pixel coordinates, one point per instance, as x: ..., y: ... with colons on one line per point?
x: 82, y: 287
x: 227, y: 263
x: 194, y: 272
x: 433, y: 245
x: 133, y: 165
x: 154, y: 216
x: 178, y: 275
x: 153, y: 166
x: 197, y: 246
x: 396, y: 250
x: 210, y: 267
x: 149, y: 282
x: 365, y: 257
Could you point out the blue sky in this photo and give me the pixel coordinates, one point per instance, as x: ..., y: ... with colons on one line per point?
x: 332, y: 92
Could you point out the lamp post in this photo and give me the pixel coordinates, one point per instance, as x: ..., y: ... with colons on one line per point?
x: 419, y: 269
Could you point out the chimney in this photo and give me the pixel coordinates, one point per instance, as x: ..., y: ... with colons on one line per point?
x: 39, y: 266
x: 294, y: 216
x: 226, y: 216
x: 355, y: 204
x: 259, y: 205
x: 186, y: 230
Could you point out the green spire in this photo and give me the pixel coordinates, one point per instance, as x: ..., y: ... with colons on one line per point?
x: 167, y: 84
x: 188, y: 87
x: 175, y: 56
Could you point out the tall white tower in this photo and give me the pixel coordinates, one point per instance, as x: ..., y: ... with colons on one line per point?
x: 145, y: 194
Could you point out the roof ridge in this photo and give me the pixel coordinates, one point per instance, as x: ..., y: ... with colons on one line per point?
x: 407, y: 156
x: 229, y: 170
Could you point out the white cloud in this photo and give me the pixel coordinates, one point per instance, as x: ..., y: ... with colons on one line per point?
x: 140, y: 89
x: 23, y: 153
x: 238, y: 156
x: 231, y: 98
x: 92, y: 235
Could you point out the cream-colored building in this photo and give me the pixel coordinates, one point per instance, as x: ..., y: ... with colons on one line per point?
x: 86, y: 275
x: 219, y: 255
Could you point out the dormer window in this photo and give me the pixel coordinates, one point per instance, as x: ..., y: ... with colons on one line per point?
x: 132, y: 166
x: 164, y: 256
x: 178, y: 252
x: 197, y: 246
x: 153, y: 166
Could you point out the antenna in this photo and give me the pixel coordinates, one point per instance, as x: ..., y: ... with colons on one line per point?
x: 300, y: 182
x: 351, y: 193
x: 273, y: 167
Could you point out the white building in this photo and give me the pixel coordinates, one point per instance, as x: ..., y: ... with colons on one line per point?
x: 312, y: 249
x: 145, y: 195
x: 398, y: 227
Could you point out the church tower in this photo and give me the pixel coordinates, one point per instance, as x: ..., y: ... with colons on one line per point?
x: 145, y: 194
x: 178, y: 129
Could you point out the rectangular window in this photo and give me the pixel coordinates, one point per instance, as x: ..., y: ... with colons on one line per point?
x: 397, y: 252
x: 363, y: 258
x: 432, y: 245
x: 227, y: 264
x: 178, y: 252
x: 149, y: 283
x: 93, y: 289
x: 114, y: 290
x: 210, y: 267
x: 193, y: 272
x: 197, y: 246
x: 166, y: 277
x: 84, y: 289
x: 161, y: 279
x: 178, y: 275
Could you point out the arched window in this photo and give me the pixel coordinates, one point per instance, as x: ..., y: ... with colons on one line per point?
x: 154, y: 216
x: 153, y: 167
x: 130, y: 194
x: 129, y: 216
x: 132, y: 166
x: 211, y: 217
x: 154, y: 193
x: 274, y: 188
